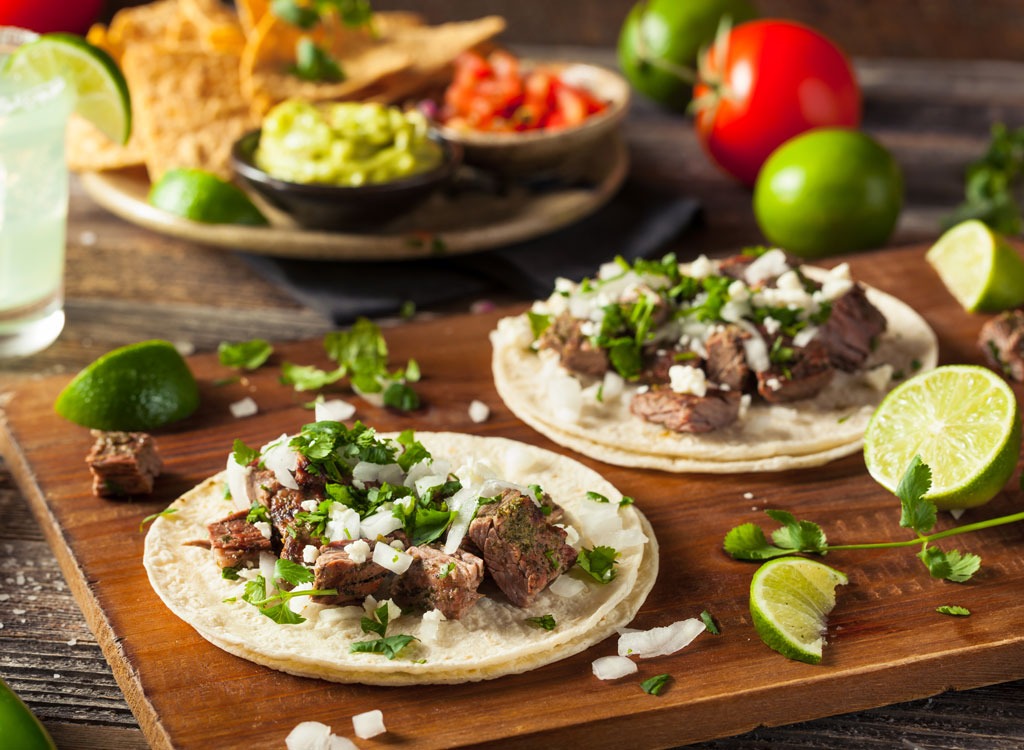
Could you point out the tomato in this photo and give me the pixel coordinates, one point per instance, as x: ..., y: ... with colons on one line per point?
x: 828, y: 191
x: 493, y: 94
x: 45, y: 16
x: 777, y: 80
x: 660, y: 36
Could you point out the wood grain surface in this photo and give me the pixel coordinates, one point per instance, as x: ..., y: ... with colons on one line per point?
x: 886, y: 643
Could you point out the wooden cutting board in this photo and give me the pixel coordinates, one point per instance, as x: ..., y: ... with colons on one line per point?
x: 886, y: 642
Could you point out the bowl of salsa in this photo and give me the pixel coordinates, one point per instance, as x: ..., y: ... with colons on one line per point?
x: 522, y: 118
x: 344, y: 165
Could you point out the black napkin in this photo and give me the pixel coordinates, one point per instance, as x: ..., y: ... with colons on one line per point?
x: 637, y: 223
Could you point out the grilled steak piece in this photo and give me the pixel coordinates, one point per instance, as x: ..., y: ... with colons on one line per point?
x: 726, y: 363
x: 354, y: 581
x: 447, y: 583
x: 575, y: 351
x: 658, y: 361
x: 283, y: 503
x: 123, y: 463
x: 685, y: 412
x: 806, y: 371
x: 850, y: 331
x: 236, y: 542
x: 522, y: 552
x: 1002, y: 341
x: 736, y: 266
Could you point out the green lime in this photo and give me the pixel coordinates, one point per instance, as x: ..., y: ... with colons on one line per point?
x: 828, y: 191
x: 202, y: 196
x: 790, y: 599
x: 963, y: 422
x: 101, y: 93
x: 661, y: 37
x: 137, y: 387
x: 979, y: 267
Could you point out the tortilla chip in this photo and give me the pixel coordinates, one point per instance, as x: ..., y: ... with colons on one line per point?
x: 145, y: 24
x: 250, y: 13
x: 189, y: 107
x: 89, y: 150
x: 218, y: 28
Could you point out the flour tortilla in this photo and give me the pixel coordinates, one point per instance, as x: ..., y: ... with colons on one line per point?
x: 491, y: 640
x: 768, y: 437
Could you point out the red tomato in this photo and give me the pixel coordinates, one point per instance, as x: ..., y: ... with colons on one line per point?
x: 777, y: 80
x: 45, y: 16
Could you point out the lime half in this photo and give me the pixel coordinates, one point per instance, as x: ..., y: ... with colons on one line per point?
x: 979, y: 267
x: 790, y: 599
x: 201, y: 196
x: 964, y: 423
x: 101, y: 93
x: 137, y: 387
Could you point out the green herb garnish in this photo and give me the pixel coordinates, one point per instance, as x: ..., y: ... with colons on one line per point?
x: 544, y: 622
x: 599, y: 562
x: 244, y: 355
x: 954, y: 610
x: 154, y: 516
x: 654, y: 685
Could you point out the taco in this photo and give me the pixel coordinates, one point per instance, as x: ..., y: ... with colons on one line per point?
x: 752, y: 363
x: 350, y: 556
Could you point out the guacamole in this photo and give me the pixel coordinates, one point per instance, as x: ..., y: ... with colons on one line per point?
x: 345, y: 143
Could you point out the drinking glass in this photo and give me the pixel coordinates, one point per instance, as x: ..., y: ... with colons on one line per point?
x: 33, y: 206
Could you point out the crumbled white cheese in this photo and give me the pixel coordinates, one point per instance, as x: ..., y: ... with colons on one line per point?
x: 479, y: 411
x: 358, y: 552
x: 702, y: 267
x: 688, y: 379
x: 309, y: 505
x: 397, y: 544
x: 263, y: 527
x: 243, y: 408
x: 773, y: 384
x: 738, y: 291
x: 769, y: 266
x: 310, y: 553
x: 771, y: 325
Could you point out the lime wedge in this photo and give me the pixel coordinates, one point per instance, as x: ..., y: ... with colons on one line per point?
x: 101, y: 93
x: 964, y: 423
x: 790, y: 598
x: 202, y: 196
x: 137, y: 387
x: 979, y: 267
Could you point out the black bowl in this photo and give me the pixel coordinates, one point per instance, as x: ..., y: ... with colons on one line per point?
x: 338, y: 207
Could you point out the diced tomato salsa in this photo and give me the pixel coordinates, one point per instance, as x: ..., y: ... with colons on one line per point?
x: 493, y: 94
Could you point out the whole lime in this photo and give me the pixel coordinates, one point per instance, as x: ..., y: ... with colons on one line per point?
x: 660, y: 37
x: 828, y: 191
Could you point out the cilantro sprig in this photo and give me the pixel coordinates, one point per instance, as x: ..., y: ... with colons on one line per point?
x: 994, y: 184
x: 388, y: 645
x: 361, y: 354
x: 244, y: 355
x: 275, y: 605
x: 748, y: 541
x: 599, y: 562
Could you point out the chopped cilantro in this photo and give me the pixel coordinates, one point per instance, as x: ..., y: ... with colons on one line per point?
x: 244, y: 355
x: 654, y: 685
x: 154, y: 516
x: 539, y: 322
x: 391, y: 646
x: 599, y: 562
x: 229, y: 574
x: 597, y: 497
x: 954, y: 610
x: 244, y: 455
x: 257, y: 512
x: 544, y: 622
x: 709, y: 623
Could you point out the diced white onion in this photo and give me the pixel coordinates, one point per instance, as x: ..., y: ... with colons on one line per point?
x: 423, y: 484
x: 238, y: 484
x: 392, y: 474
x: 297, y: 603
x: 335, y: 410
x: 613, y: 667
x: 368, y: 724
x: 565, y: 397
x: 366, y: 472
x: 572, y: 537
x: 805, y: 336
x: 267, y: 563
x: 310, y: 553
x: 754, y: 348
x: 479, y: 411
x: 430, y: 624
x: 381, y: 523
x: 392, y: 559
x: 688, y: 379
x: 309, y: 735
x: 623, y: 539
x: 282, y: 460
x: 263, y: 527
x: 769, y: 266
x: 567, y: 587
x: 660, y: 641
x: 246, y: 407
x: 342, y: 523
x: 879, y: 377
x: 358, y: 552
x: 612, y: 387
x: 463, y: 503
x: 341, y: 743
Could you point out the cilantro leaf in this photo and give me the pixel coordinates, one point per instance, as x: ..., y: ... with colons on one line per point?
x: 954, y: 610
x: 244, y: 455
x: 950, y: 566
x: 539, y: 322
x: 654, y: 685
x: 402, y: 397
x: 282, y: 614
x: 244, y: 355
x: 313, y: 63
x: 804, y: 536
x: 918, y: 513
x: 747, y: 542
x: 154, y: 516
x: 297, y: 15
x: 308, y: 377
x: 413, y: 452
x: 257, y: 512
x: 544, y: 622
x: 597, y: 497
x: 709, y: 623
x: 292, y: 572
x: 390, y: 647
x: 599, y: 562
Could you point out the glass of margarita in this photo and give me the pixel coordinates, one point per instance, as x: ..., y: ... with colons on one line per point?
x: 33, y: 206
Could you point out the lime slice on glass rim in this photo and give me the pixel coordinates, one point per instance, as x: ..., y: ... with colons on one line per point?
x: 137, y: 387
x: 963, y: 421
x: 979, y: 267
x: 790, y: 599
x: 101, y: 93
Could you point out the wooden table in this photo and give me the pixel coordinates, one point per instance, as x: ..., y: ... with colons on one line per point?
x: 125, y: 284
